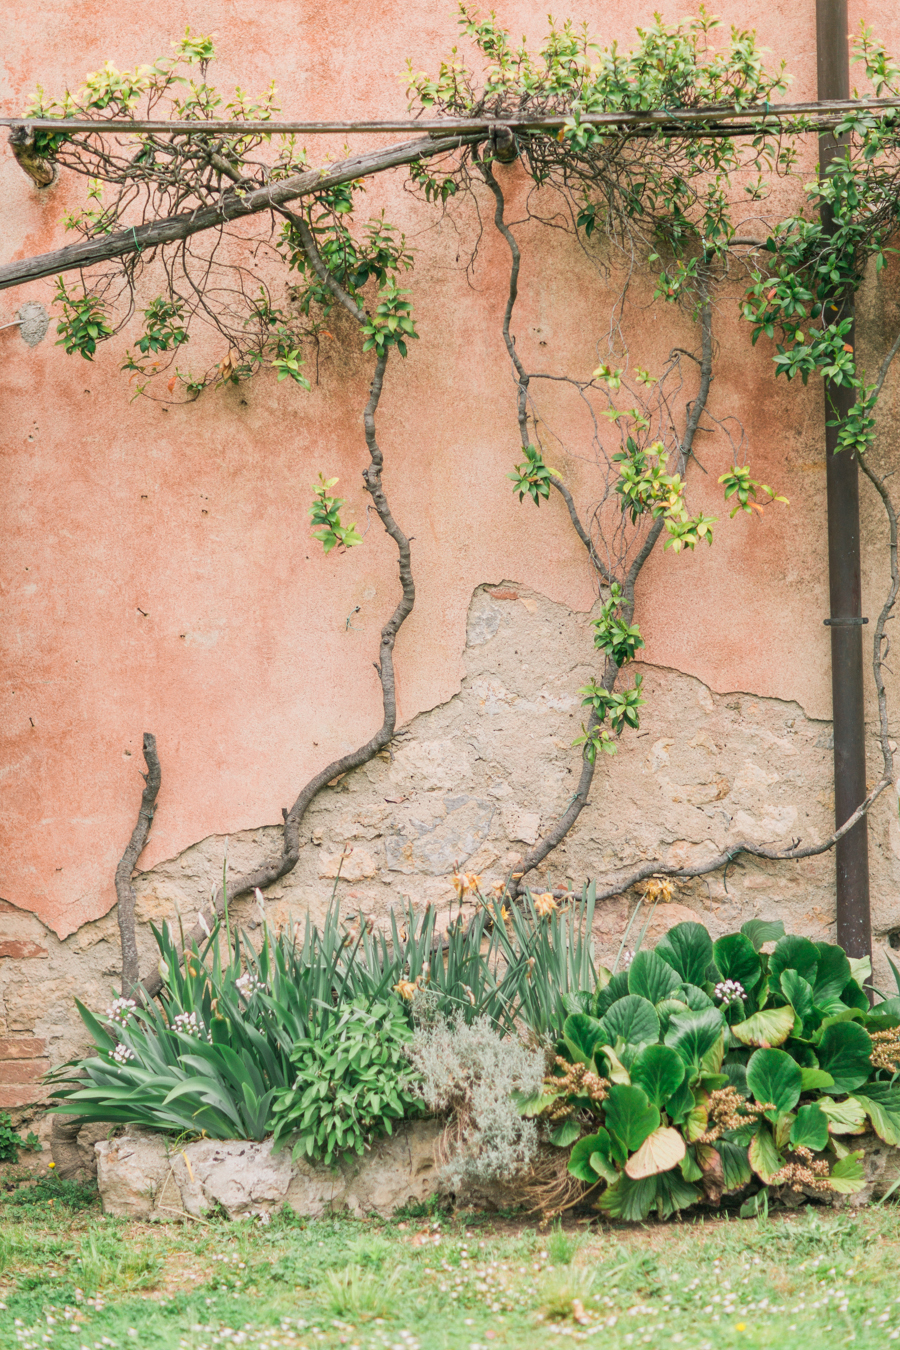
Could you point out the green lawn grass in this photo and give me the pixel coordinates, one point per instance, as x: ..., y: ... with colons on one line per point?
x: 71, y: 1279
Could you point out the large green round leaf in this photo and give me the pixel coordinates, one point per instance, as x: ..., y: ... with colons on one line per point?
x: 794, y: 953
x: 651, y: 977
x: 844, y: 1052
x: 760, y: 931
x: 832, y: 975
x: 633, y: 1019
x: 810, y: 1129
x: 580, y: 1158
x: 772, y: 1076
x: 688, y: 950
x: 629, y: 1116
x: 616, y: 988
x: 799, y: 993
x: 763, y: 1156
x: 581, y: 1034
x: 668, y: 1009
x: 735, y: 1164
x: 694, y: 1034
x: 659, y: 1071
x: 736, y: 959
x: 769, y: 1027
x: 696, y: 998
x: 631, y: 1200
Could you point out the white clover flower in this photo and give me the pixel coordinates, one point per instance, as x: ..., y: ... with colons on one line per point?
x: 729, y: 991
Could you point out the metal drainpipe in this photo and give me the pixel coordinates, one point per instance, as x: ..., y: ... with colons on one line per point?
x: 854, y: 929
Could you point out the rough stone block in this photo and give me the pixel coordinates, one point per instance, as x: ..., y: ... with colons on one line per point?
x: 22, y: 1047
x: 22, y: 1070
x: 22, y: 1096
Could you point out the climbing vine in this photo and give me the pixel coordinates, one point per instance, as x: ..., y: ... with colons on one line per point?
x: 658, y: 198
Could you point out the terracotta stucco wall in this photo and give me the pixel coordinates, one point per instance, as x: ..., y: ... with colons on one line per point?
x: 158, y: 572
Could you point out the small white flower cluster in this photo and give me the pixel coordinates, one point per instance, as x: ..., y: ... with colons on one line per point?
x: 120, y: 1010
x: 190, y: 1025
x: 627, y: 958
x: 730, y: 991
x: 248, y: 984
x: 121, y: 1054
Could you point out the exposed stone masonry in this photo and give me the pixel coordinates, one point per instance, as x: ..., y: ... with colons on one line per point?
x: 472, y: 783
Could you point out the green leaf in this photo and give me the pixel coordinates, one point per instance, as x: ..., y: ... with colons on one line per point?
x: 814, y: 1080
x: 810, y: 1129
x: 882, y: 1103
x: 629, y: 1200
x: 633, y: 1019
x: 696, y: 998
x: 773, y: 1076
x: 767, y: 1028
x: 611, y: 992
x: 861, y: 968
x: 580, y: 1158
x: 565, y: 1134
x: 844, y: 1051
x: 651, y: 977
x: 757, y: 1205
x: 833, y: 974
x: 794, y: 953
x: 687, y: 947
x: 582, y: 1034
x: 673, y: 1193
x: 612, y: 1068
x: 690, y: 1168
x: 693, y: 1035
x: 763, y: 1155
x: 659, y: 1070
x: 532, y: 1104
x: 711, y: 1063
x: 848, y: 1174
x: 736, y: 1170
x: 666, y: 1010
x: 799, y: 994
x: 629, y: 1116
x: 761, y: 931
x: 854, y: 996
x: 848, y: 1117
x: 736, y: 959
x: 680, y: 1104
x: 884, y: 1015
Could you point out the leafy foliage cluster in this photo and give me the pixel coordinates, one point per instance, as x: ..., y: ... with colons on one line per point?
x: 707, y: 1065
x: 307, y: 1035
x: 353, y: 1080
x: 11, y: 1141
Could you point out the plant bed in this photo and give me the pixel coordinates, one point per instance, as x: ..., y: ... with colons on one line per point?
x: 498, y: 1065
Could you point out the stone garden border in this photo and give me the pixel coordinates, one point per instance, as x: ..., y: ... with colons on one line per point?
x: 142, y: 1175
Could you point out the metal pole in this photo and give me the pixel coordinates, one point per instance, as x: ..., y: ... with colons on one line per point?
x: 854, y: 930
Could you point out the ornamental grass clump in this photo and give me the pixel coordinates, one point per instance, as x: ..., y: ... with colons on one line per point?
x: 708, y: 1068
x: 306, y: 1035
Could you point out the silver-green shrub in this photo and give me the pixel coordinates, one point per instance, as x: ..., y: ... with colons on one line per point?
x: 469, y: 1073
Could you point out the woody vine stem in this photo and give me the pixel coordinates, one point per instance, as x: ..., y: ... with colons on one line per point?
x: 159, y: 208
